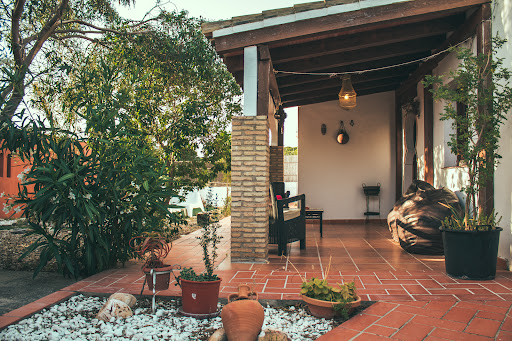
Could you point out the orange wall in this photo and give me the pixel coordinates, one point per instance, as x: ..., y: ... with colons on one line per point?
x: 9, y: 185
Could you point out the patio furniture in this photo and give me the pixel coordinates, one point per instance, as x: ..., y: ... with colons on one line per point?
x: 315, y: 213
x: 415, y: 219
x: 287, y: 224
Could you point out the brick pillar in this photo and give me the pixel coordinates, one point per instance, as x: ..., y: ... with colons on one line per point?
x: 249, y: 189
x: 276, y: 163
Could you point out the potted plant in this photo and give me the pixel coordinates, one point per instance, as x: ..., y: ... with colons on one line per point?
x: 480, y: 85
x: 325, y: 300
x: 200, y: 292
x: 153, y: 247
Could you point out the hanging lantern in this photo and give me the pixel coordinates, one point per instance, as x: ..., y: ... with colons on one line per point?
x: 342, y: 136
x: 347, y: 95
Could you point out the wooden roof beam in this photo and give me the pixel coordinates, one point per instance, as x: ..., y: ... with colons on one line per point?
x: 364, y: 55
x: 467, y: 30
x: 366, y: 39
x: 335, y: 90
x: 286, y: 80
x: 357, y: 80
x: 351, y: 42
x: 334, y: 97
x: 403, y: 12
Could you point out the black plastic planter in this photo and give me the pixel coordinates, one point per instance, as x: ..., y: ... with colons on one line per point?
x: 471, y: 254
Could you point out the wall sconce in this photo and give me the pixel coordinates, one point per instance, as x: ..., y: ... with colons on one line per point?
x: 347, y: 95
x: 323, y: 129
x: 342, y: 137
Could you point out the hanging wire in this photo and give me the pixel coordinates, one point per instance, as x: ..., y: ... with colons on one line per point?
x: 337, y: 74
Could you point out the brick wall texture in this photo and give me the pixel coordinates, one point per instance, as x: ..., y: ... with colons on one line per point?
x: 250, y: 158
x: 276, y: 163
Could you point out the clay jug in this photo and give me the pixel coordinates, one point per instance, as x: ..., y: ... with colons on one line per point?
x: 242, y: 320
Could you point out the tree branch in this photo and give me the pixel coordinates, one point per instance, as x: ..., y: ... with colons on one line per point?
x: 15, y: 32
x: 47, y: 31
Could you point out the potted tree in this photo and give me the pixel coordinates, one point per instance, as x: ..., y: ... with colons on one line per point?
x: 200, y: 292
x: 154, y: 247
x: 480, y: 85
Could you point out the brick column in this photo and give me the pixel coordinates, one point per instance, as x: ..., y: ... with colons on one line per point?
x: 276, y: 163
x: 249, y: 189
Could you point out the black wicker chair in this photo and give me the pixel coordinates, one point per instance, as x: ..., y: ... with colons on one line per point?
x: 287, y: 223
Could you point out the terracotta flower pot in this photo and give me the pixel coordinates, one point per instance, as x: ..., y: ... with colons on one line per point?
x: 325, y: 309
x: 242, y: 320
x: 163, y: 275
x: 200, y: 297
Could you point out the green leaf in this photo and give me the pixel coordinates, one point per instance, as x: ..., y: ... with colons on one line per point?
x: 65, y: 177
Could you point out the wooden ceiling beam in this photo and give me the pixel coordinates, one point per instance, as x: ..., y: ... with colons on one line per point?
x: 286, y: 80
x: 336, y: 82
x: 366, y: 39
x: 351, y: 42
x: 363, y: 55
x: 334, y: 97
x: 412, y: 11
x: 336, y: 89
x: 465, y: 31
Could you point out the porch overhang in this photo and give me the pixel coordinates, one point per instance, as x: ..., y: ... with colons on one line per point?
x: 333, y: 36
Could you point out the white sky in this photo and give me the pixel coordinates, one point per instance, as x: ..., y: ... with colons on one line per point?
x: 219, y: 10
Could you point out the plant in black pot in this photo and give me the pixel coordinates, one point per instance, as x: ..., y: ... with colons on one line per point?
x: 200, y: 292
x: 480, y: 88
x: 154, y: 247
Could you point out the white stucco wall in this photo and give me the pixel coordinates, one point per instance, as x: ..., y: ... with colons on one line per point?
x: 502, y: 24
x: 454, y: 177
x: 331, y: 174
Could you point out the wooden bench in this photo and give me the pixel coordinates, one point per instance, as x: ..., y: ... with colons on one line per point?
x: 287, y: 221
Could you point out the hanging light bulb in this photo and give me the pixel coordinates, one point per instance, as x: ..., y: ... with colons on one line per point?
x: 347, y: 95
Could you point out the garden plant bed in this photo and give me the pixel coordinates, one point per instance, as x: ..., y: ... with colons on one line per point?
x: 13, y: 243
x: 74, y: 319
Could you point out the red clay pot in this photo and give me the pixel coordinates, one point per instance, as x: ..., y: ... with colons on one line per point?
x: 242, y: 320
x: 325, y: 309
x: 162, y: 279
x: 200, y: 297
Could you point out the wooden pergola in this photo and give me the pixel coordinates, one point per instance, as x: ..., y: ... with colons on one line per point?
x: 340, y: 36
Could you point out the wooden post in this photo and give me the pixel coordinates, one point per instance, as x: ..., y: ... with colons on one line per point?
x: 484, y: 46
x: 428, y: 117
x: 263, y: 80
x: 399, y: 146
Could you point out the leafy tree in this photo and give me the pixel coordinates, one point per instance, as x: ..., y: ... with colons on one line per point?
x: 124, y: 119
x: 32, y: 30
x: 180, y: 95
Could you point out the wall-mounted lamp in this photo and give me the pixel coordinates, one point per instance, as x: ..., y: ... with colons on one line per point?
x: 347, y: 95
x: 323, y: 129
x: 342, y: 137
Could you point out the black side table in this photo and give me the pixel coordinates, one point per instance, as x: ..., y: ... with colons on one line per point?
x: 315, y: 213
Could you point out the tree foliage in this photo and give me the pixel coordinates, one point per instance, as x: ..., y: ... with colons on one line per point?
x: 128, y: 120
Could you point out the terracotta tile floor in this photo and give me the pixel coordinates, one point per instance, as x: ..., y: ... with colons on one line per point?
x: 416, y: 299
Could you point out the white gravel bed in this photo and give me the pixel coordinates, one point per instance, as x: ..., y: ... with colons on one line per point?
x: 74, y: 320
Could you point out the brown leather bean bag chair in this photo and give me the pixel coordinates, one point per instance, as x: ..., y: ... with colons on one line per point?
x: 415, y: 219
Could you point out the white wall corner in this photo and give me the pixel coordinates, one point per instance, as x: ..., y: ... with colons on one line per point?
x: 250, y: 80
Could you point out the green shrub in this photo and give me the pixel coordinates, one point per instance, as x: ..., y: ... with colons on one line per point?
x: 86, y: 199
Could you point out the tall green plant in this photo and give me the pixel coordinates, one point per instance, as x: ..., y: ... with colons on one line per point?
x: 86, y: 199
x: 487, y: 104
